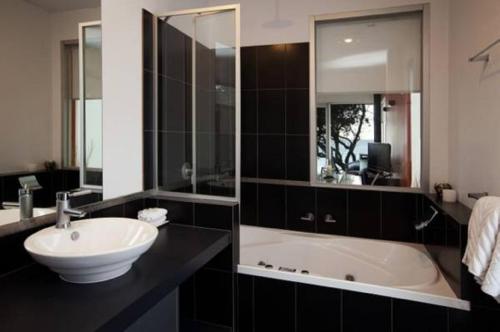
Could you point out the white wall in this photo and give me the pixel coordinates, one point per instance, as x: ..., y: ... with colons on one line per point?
x: 24, y: 85
x: 122, y: 66
x: 63, y: 27
x: 474, y: 98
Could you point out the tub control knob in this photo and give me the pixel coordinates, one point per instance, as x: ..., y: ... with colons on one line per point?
x: 308, y: 217
x: 329, y: 219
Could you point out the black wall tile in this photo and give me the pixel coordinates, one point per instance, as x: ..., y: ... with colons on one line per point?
x: 249, y: 155
x: 175, y: 150
x: 271, y: 206
x: 333, y: 202
x: 364, y: 213
x: 297, y: 65
x: 132, y: 208
x: 430, y: 318
x: 213, y: 216
x: 148, y: 160
x: 178, y: 212
x: 271, y: 111
x: 147, y: 100
x: 271, y: 157
x: 365, y: 312
x: 248, y: 68
x: 399, y: 216
x: 113, y: 211
x: 274, y: 305
x: 297, y: 112
x: 147, y: 40
x: 318, y: 309
x: 271, y: 67
x: 248, y: 112
x: 249, y: 206
x: 297, y: 158
x: 299, y: 202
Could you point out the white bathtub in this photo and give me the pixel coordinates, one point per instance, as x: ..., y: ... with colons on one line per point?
x: 393, y: 269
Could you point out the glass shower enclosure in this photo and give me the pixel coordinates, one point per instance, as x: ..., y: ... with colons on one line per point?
x: 197, y: 102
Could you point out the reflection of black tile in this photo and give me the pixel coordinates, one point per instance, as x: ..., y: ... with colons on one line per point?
x: 148, y: 160
x: 318, y: 309
x: 271, y: 202
x: 274, y: 305
x: 300, y: 201
x: 214, y: 296
x: 175, y: 150
x: 249, y: 67
x: 205, y: 63
x: 173, y: 113
x: 297, y: 158
x: 249, y: 156
x: 205, y: 153
x: 147, y: 40
x: 297, y: 112
x: 364, y: 213
x: 334, y: 203
x: 174, y: 46
x: 271, y: 66
x: 205, y: 111
x: 224, y: 67
x: 249, y: 207
x: 245, y: 303
x: 430, y: 318
x: 248, y: 112
x: 213, y: 216
x: 399, y: 216
x: 147, y: 101
x: 271, y: 157
x: 271, y: 113
x: 178, y: 212
x: 297, y: 65
x: 365, y: 312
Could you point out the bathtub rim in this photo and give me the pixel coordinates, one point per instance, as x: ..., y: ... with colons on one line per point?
x: 388, y: 291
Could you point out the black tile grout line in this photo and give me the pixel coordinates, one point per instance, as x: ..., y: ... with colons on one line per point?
x: 341, y: 309
x: 295, y: 311
x: 392, y: 314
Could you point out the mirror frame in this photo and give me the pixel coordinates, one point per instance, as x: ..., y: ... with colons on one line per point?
x: 425, y: 116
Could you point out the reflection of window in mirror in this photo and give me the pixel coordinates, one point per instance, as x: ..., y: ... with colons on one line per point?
x: 368, y: 100
x: 71, y: 101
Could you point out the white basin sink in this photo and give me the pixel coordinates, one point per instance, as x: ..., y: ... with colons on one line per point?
x: 8, y: 216
x: 92, y: 250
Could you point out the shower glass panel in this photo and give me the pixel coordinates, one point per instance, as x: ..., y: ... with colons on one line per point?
x: 91, y: 105
x: 197, y: 103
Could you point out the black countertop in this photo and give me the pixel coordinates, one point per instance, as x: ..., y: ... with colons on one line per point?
x: 35, y: 299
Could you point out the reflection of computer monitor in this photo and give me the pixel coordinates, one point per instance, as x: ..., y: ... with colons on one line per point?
x: 379, y: 157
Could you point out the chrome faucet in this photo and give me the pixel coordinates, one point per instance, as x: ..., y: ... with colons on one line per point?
x: 25, y: 203
x: 64, y: 212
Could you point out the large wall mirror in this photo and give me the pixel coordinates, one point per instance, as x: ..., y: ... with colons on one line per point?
x: 51, y: 110
x: 367, y: 104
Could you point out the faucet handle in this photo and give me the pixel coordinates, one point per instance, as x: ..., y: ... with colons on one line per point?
x: 62, y: 195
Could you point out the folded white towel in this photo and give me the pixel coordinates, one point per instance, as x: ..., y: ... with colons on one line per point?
x: 152, y: 214
x: 482, y: 255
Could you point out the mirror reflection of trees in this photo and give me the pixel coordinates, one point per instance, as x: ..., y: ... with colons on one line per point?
x: 347, y: 122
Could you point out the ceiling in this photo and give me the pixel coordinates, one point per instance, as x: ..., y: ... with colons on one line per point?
x: 63, y: 5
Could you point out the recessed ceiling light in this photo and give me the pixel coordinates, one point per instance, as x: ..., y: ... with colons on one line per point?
x: 348, y: 40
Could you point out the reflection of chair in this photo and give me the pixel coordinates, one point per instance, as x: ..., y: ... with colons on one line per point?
x: 379, y: 163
